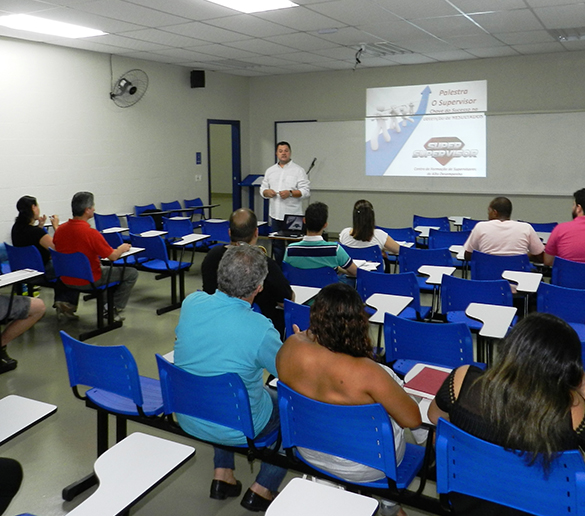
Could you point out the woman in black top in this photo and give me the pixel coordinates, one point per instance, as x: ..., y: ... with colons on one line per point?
x: 28, y: 229
x: 531, y: 400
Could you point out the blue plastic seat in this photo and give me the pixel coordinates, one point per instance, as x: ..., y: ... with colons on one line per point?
x: 140, y: 209
x: 27, y: 257
x: 76, y: 265
x: 138, y: 225
x: 490, y: 267
x: 441, y: 222
x: 543, y: 227
x: 218, y: 231
x: 398, y: 235
x: 319, y: 278
x: 403, y: 284
x: 193, y: 203
x: 411, y: 259
x: 106, y: 221
x: 295, y: 314
x: 469, y: 224
x: 221, y: 399
x: 566, y: 273
x: 457, y: 294
x: 360, y: 433
x: 471, y: 466
x: 444, y: 239
x: 115, y: 387
x: 159, y: 263
x: 442, y: 344
x: 115, y: 240
x: 371, y: 254
x: 566, y: 303
x: 173, y: 205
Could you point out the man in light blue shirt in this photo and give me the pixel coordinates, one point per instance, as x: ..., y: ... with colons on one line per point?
x: 220, y: 333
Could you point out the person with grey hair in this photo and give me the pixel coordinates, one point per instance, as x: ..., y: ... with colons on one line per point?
x: 76, y: 235
x: 220, y: 333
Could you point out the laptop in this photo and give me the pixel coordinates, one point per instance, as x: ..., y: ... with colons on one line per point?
x: 294, y: 226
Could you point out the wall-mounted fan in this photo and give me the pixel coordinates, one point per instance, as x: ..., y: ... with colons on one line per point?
x: 129, y: 88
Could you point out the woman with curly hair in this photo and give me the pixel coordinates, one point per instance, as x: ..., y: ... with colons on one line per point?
x: 332, y: 362
x: 531, y: 400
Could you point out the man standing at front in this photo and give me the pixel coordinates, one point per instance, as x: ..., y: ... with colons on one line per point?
x: 567, y: 240
x: 76, y: 235
x: 285, y: 184
x: 220, y: 333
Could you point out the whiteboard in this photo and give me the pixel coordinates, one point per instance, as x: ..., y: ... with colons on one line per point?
x: 531, y: 154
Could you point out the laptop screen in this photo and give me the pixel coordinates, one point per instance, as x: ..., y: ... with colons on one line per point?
x: 294, y: 223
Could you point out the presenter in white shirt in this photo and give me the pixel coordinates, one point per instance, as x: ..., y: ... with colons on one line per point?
x: 285, y: 183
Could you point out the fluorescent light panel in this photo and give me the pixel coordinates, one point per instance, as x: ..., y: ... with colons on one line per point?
x: 255, y: 6
x: 45, y: 26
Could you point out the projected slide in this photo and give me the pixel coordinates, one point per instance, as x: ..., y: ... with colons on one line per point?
x: 435, y: 130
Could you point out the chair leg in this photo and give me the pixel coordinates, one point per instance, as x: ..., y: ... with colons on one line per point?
x: 101, y: 328
x: 174, y: 302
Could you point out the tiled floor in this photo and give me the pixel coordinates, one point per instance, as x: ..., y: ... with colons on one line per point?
x: 63, y: 448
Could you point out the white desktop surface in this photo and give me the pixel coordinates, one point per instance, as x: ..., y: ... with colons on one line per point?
x: 386, y: 303
x: 496, y: 319
x: 526, y: 281
x: 131, y: 251
x: 367, y: 265
x: 543, y: 235
x: 435, y: 273
x: 459, y: 251
x: 304, y: 294
x: 424, y: 230
x: 190, y: 239
x: 129, y: 469
x: 18, y: 413
x: 302, y: 497
x: 16, y: 276
x: 153, y: 233
x: 457, y: 219
x: 115, y: 229
x: 215, y: 221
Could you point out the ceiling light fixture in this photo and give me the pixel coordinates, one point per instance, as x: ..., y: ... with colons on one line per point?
x: 255, y: 6
x: 45, y: 26
x: 573, y: 34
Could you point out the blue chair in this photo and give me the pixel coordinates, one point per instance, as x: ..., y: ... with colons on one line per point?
x: 295, y: 314
x: 544, y: 227
x: 28, y: 257
x: 457, y: 294
x: 490, y: 267
x: 218, y: 231
x: 441, y: 222
x: 566, y: 273
x: 221, y: 399
x: 371, y: 254
x: 566, y: 303
x: 469, y: 224
x: 333, y: 429
x: 115, y: 387
x: 193, y: 203
x: 140, y: 209
x: 115, y: 240
x: 399, y: 235
x: 159, y: 263
x: 173, y: 205
x: 442, y: 344
x: 106, y: 221
x: 468, y: 465
x: 319, y: 278
x: 176, y: 230
x: 139, y: 225
x: 411, y: 259
x: 403, y: 284
x: 76, y: 265
x: 444, y: 239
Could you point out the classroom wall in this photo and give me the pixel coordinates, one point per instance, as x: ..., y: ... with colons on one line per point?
x: 547, y: 83
x: 60, y: 132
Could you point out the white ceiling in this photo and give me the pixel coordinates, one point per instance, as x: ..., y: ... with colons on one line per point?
x: 317, y: 35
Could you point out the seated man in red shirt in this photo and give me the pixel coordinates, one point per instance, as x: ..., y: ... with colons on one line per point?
x: 76, y: 235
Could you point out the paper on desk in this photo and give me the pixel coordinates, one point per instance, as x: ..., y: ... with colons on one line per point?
x: 366, y: 265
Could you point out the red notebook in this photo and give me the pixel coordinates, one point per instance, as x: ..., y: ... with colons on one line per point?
x: 427, y: 382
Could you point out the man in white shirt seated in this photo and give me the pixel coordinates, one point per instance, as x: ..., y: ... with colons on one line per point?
x: 503, y: 237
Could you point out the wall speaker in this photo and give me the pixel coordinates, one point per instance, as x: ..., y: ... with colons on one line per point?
x: 197, y: 78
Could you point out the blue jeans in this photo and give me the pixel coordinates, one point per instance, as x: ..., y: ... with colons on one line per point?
x: 269, y: 476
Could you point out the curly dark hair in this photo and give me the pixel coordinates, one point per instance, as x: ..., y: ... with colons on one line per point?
x: 339, y: 322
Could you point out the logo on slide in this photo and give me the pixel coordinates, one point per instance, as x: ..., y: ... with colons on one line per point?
x: 444, y: 149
